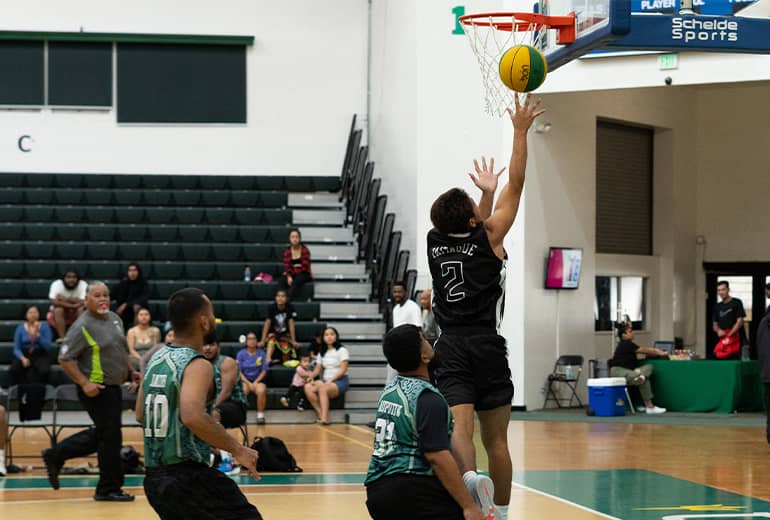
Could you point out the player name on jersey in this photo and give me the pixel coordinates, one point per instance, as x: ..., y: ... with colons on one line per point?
x: 464, y: 248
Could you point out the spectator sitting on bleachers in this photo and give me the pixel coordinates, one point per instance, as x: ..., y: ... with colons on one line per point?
x: 131, y: 294
x: 278, y: 334
x: 141, y: 337
x: 167, y: 339
x: 230, y: 404
x: 302, y: 375
x: 252, y: 361
x: 333, y: 367
x: 314, y: 346
x: 296, y: 265
x: 31, y: 343
x: 68, y: 299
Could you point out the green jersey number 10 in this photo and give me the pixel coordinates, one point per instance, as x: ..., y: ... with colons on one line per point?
x: 156, y: 416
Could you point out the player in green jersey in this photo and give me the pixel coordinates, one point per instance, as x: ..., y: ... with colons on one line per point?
x: 412, y: 474
x: 173, y: 406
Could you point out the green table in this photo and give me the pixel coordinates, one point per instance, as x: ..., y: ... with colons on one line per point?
x: 707, y: 385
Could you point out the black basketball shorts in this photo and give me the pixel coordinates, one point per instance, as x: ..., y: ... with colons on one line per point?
x: 193, y: 490
x: 473, y: 369
x: 410, y: 497
x: 232, y: 413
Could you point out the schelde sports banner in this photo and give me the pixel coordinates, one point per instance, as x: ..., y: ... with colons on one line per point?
x: 712, y: 7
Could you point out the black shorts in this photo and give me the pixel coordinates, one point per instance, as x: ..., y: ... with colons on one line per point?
x: 193, y: 490
x: 232, y: 414
x: 473, y: 369
x: 411, y: 497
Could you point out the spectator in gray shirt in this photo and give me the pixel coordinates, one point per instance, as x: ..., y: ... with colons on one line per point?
x: 95, y: 357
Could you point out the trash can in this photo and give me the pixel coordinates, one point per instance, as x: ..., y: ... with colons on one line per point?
x: 607, y: 396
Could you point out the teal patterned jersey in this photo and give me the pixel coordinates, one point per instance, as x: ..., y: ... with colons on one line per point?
x: 237, y: 394
x: 396, y: 442
x: 166, y: 439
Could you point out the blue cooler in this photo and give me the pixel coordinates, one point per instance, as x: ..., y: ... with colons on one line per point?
x: 607, y: 396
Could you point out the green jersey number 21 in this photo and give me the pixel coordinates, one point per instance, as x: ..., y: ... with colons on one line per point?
x: 383, y: 436
x: 156, y: 416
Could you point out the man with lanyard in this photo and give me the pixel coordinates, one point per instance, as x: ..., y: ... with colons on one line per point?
x: 412, y: 474
x: 172, y: 405
x: 467, y: 263
x: 94, y: 355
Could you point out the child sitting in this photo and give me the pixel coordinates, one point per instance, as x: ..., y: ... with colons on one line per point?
x: 302, y: 375
x: 278, y: 332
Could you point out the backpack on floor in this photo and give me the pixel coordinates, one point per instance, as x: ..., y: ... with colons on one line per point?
x: 274, y: 456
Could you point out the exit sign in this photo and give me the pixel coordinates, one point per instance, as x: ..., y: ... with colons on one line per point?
x: 668, y: 61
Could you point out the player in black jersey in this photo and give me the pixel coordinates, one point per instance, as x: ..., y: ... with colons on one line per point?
x: 467, y: 264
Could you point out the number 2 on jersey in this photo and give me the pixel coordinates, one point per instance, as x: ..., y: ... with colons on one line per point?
x: 156, y: 416
x: 452, y: 272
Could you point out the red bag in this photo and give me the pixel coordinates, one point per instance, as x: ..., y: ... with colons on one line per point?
x: 728, y: 346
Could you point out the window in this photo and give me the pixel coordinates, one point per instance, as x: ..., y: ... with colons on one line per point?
x: 620, y: 293
x: 623, y: 189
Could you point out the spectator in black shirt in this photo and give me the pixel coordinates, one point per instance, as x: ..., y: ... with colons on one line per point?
x: 763, y: 352
x: 728, y: 316
x: 131, y: 294
x: 767, y: 296
x: 625, y: 364
x: 278, y: 332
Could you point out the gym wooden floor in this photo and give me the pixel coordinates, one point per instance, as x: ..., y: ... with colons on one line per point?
x: 562, y: 470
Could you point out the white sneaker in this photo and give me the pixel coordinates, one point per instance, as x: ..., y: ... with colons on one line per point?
x: 655, y: 410
x: 483, y: 490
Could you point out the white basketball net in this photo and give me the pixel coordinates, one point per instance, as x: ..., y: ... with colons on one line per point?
x: 489, y: 44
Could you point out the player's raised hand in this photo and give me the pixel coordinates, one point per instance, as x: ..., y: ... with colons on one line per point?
x: 525, y: 113
x: 247, y: 458
x: 485, y: 178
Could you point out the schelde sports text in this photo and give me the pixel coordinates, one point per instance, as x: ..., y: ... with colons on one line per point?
x: 695, y: 30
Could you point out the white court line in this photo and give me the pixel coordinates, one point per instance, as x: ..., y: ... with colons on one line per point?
x: 564, y: 501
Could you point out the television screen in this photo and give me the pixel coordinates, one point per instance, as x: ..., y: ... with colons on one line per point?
x: 563, y: 271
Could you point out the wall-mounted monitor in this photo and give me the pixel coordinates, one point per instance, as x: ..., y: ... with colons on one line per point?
x: 563, y: 269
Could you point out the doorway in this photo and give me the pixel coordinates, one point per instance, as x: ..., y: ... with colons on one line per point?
x: 747, y: 283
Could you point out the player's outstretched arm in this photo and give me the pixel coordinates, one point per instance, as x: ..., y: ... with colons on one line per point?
x: 196, y: 382
x: 507, y: 205
x: 445, y: 468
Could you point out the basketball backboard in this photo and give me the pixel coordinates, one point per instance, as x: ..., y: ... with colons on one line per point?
x: 659, y: 25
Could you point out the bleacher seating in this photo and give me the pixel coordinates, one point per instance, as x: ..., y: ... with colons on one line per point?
x: 201, y: 231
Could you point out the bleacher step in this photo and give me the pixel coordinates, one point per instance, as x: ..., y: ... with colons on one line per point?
x: 339, y: 271
x: 314, y: 200
x: 311, y: 235
x: 359, y: 331
x: 342, y: 291
x: 318, y: 217
x: 350, y: 311
x: 334, y: 253
x: 363, y: 416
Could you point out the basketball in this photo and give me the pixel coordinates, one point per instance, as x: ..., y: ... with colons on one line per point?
x: 523, y: 68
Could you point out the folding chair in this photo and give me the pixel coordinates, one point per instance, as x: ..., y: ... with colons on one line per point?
x: 47, y: 420
x: 566, y: 371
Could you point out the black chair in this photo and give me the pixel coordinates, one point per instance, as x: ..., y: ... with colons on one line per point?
x: 47, y: 420
x: 367, y: 218
x: 374, y: 230
x: 566, y: 371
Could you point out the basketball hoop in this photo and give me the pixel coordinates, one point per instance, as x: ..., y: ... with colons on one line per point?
x: 491, y: 34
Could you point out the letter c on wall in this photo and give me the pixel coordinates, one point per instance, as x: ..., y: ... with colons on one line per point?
x: 22, y: 143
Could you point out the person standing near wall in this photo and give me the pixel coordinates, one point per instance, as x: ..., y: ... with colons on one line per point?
x: 727, y: 323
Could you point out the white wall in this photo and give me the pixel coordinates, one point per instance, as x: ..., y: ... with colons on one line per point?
x: 306, y: 76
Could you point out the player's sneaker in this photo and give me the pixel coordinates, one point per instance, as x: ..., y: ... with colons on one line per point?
x: 482, y: 490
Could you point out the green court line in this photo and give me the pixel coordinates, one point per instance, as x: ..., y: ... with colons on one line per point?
x: 634, y: 494
x: 630, y: 494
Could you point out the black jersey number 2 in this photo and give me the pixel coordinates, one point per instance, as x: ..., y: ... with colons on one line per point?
x: 452, y: 274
